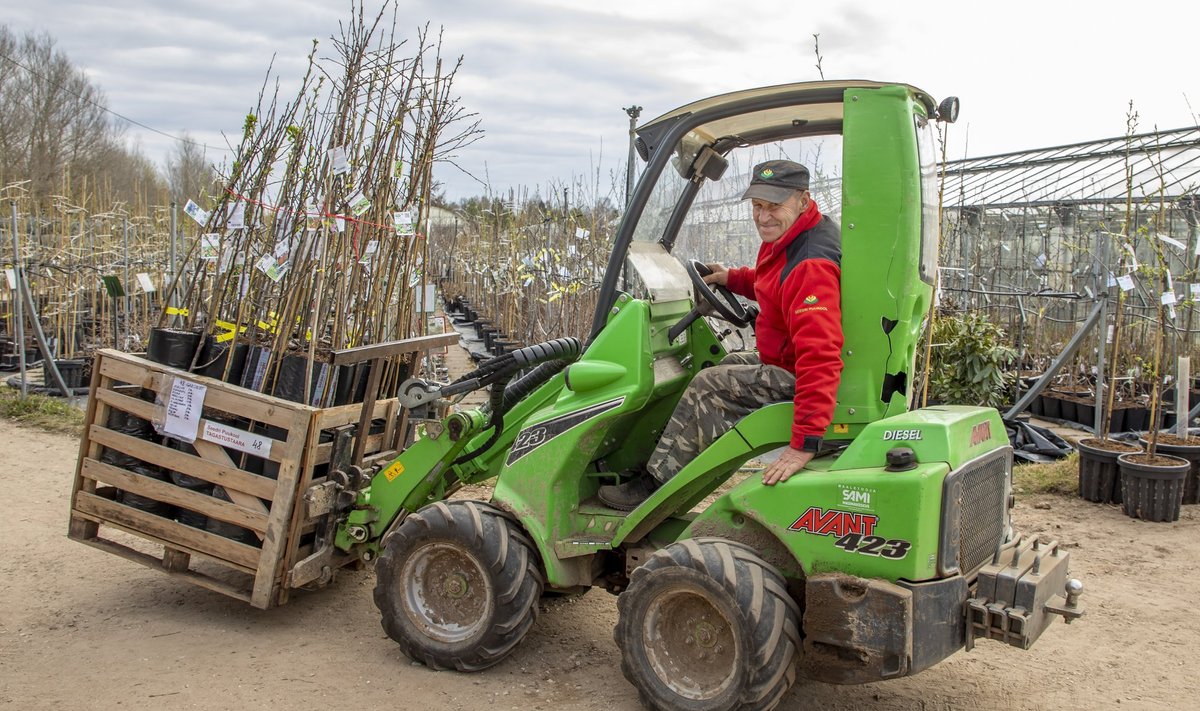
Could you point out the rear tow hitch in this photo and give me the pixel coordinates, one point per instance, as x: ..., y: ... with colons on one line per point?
x: 1020, y: 591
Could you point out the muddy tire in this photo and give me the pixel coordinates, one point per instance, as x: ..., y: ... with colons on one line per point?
x: 705, y: 625
x: 458, y: 585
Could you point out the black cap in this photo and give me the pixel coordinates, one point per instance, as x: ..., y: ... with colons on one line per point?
x: 776, y: 180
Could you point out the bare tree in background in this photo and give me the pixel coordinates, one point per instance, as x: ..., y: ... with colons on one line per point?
x: 190, y: 175
x: 55, y: 130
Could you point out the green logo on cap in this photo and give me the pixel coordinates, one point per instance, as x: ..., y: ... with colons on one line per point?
x: 766, y: 174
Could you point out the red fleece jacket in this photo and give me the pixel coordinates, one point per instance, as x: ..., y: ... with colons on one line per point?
x: 797, y: 284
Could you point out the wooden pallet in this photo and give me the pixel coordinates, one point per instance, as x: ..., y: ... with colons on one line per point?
x: 258, y: 571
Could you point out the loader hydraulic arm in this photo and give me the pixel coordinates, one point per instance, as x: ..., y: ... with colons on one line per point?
x: 459, y: 449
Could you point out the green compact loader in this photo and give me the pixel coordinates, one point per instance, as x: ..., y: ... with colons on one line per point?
x: 889, y: 552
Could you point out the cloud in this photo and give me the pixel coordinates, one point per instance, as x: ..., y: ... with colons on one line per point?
x: 549, y: 78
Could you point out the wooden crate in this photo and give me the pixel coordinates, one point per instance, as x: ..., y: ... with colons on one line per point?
x: 271, y: 508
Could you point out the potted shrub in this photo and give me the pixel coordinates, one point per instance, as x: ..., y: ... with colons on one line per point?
x: 1152, y: 482
x: 970, y: 365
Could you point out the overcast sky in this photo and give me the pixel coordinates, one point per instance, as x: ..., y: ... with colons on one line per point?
x: 550, y: 78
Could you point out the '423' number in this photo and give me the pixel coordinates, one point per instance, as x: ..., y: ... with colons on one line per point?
x: 874, y: 545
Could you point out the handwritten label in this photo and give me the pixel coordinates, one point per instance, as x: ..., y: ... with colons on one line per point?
x: 234, y: 438
x: 183, y: 409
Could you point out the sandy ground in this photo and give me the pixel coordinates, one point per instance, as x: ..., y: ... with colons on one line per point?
x: 83, y: 629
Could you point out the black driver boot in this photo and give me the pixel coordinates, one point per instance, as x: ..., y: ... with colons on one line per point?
x: 630, y: 495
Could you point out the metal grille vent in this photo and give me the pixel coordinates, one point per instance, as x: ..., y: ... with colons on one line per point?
x: 975, y: 495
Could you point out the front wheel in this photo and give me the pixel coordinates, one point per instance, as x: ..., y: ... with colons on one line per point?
x: 458, y: 585
x: 707, y: 625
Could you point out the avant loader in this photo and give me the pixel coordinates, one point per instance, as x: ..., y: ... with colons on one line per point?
x: 892, y: 550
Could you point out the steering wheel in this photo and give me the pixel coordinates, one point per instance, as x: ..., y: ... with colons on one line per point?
x: 719, y: 297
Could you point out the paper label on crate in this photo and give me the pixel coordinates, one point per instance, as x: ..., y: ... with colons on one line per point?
x: 183, y: 409
x: 1168, y: 298
x: 1125, y: 282
x: 147, y: 285
x: 11, y: 276
x: 234, y: 438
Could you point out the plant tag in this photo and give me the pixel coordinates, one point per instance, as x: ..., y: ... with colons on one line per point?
x: 1172, y: 241
x: 147, y: 285
x: 235, y: 216
x: 338, y: 160
x: 403, y: 221
x: 1194, y: 289
x: 1112, y: 280
x: 197, y: 213
x: 581, y: 233
x: 1039, y: 262
x: 1168, y: 298
x: 210, y: 246
x: 358, y: 203
x: 273, y: 269
x: 11, y: 276
x: 1125, y: 282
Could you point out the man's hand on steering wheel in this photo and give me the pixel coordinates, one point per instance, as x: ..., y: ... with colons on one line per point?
x: 718, y: 275
x: 713, y: 291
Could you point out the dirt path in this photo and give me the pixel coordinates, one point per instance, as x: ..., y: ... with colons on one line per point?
x: 83, y: 629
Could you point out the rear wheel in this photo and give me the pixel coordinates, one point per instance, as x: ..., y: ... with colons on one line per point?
x: 458, y: 585
x: 707, y: 625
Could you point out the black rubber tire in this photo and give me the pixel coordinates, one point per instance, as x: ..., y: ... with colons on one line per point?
x: 707, y: 625
x: 458, y: 585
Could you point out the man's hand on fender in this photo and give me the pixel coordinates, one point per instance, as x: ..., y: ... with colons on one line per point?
x: 790, y: 461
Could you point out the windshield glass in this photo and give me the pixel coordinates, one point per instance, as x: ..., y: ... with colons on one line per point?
x: 718, y: 228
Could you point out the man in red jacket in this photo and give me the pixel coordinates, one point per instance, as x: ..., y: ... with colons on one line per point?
x: 796, y: 282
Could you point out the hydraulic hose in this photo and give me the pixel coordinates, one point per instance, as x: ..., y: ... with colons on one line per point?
x: 558, y: 352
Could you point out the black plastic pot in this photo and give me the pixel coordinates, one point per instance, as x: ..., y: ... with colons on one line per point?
x: 1137, y: 419
x: 1152, y: 492
x: 173, y: 347
x: 1191, y: 485
x: 1085, y: 413
x: 216, y: 356
x: 75, y: 372
x: 1099, y: 473
x: 1052, y: 407
x: 1068, y: 410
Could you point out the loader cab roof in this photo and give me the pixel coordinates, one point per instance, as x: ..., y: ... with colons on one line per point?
x: 765, y: 114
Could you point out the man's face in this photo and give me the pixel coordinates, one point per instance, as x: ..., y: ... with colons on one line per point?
x: 774, y: 218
